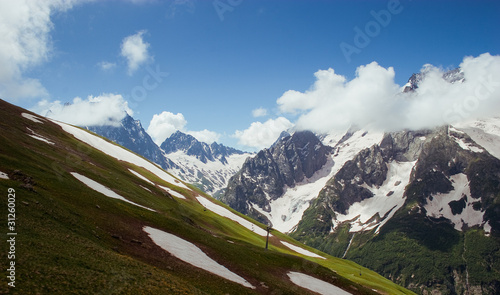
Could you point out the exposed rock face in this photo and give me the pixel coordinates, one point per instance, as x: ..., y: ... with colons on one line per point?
x: 263, y: 178
x: 207, y: 166
x: 180, y: 141
x: 132, y: 135
x: 452, y: 76
x: 447, y: 204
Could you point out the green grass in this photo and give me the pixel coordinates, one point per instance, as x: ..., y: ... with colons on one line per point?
x: 73, y: 240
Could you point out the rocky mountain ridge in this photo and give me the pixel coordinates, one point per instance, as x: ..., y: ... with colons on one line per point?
x: 263, y: 178
x: 427, y: 196
x: 95, y: 218
x: 132, y: 135
x: 209, y: 166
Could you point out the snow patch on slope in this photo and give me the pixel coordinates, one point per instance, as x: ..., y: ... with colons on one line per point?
x: 228, y: 214
x: 104, y: 190
x: 4, y: 175
x: 193, y: 255
x: 172, y: 192
x: 314, y: 284
x: 141, y: 177
x: 168, y: 190
x: 387, y: 199
x: 39, y: 137
x: 439, y: 205
x: 301, y: 250
x: 118, y: 152
x: 32, y: 118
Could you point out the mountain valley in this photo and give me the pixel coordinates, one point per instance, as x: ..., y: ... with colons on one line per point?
x: 94, y: 218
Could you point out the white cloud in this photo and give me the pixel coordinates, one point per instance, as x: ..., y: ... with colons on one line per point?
x: 105, y: 109
x: 262, y: 135
x: 373, y: 98
x: 25, y: 26
x: 165, y: 124
x: 259, y: 112
x: 205, y: 135
x: 135, y: 50
x: 106, y: 66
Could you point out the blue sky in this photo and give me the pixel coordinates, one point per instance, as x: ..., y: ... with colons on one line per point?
x: 218, y: 61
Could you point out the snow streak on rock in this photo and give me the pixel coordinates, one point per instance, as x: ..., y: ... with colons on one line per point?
x: 387, y: 199
x: 457, y: 205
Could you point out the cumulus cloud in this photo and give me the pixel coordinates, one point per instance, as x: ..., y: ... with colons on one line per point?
x: 165, y: 124
x: 262, y: 135
x: 135, y: 50
x: 106, y: 65
x: 373, y: 98
x: 25, y: 26
x: 205, y: 135
x: 105, y: 109
x: 259, y: 112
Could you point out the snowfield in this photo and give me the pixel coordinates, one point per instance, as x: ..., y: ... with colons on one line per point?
x: 286, y: 211
x: 104, y: 190
x: 314, y: 284
x: 439, y: 205
x: 386, y: 200
x: 190, y: 168
x: 301, y: 250
x: 193, y: 255
x: 228, y: 214
x: 118, y: 152
x: 486, y: 133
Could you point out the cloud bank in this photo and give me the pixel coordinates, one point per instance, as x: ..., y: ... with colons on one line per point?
x: 135, y: 50
x: 25, y: 26
x: 105, y: 109
x: 373, y: 99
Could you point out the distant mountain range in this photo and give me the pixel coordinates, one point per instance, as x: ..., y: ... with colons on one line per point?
x: 208, y: 166
x: 88, y: 216
x: 421, y: 207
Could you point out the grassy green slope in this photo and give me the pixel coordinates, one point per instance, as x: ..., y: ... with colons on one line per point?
x: 74, y: 240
